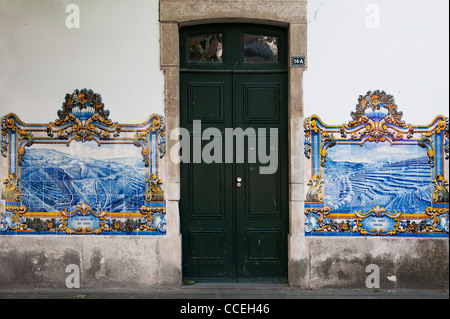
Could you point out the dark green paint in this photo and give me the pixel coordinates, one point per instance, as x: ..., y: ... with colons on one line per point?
x: 230, y: 233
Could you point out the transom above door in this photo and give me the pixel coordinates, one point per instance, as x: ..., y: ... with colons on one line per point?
x: 234, y: 219
x: 233, y: 47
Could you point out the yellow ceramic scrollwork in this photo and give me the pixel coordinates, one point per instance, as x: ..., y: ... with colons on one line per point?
x: 11, y: 191
x: 315, y: 192
x: 441, y: 190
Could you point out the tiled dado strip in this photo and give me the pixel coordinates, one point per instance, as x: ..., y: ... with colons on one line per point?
x: 82, y: 174
x: 377, y: 176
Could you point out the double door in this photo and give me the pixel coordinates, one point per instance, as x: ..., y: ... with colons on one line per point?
x: 234, y: 178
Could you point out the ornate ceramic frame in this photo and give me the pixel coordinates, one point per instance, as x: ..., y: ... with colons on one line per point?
x: 83, y: 119
x: 376, y: 123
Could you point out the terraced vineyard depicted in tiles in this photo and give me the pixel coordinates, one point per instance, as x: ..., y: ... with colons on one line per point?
x: 371, y: 176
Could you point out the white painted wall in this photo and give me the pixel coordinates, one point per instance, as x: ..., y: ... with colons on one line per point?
x: 407, y: 56
x: 115, y: 52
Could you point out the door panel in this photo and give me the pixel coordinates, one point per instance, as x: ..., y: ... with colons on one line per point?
x: 207, y: 245
x: 262, y: 194
x: 207, y: 190
x: 263, y: 246
x: 261, y: 102
x: 206, y: 101
x: 261, y: 202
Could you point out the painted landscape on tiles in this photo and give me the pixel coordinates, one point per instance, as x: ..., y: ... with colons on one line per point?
x: 104, y: 178
x: 82, y: 174
x: 392, y: 177
x: 377, y: 175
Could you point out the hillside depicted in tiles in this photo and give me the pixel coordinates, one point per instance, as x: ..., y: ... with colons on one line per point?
x: 377, y: 175
x: 403, y: 185
x: 54, y: 181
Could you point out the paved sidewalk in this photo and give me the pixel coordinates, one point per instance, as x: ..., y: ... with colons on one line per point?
x: 244, y: 291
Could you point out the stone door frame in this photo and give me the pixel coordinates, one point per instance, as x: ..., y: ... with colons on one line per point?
x: 290, y: 14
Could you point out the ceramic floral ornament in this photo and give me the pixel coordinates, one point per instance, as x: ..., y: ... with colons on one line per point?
x: 83, y: 118
x: 376, y: 106
x: 83, y: 105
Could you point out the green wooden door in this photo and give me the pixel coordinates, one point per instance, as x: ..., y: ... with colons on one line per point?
x: 234, y: 213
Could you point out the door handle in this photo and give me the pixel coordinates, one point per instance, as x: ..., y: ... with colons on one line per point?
x: 239, y: 181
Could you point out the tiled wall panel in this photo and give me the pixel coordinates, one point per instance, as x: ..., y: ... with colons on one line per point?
x: 376, y: 175
x: 82, y: 174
